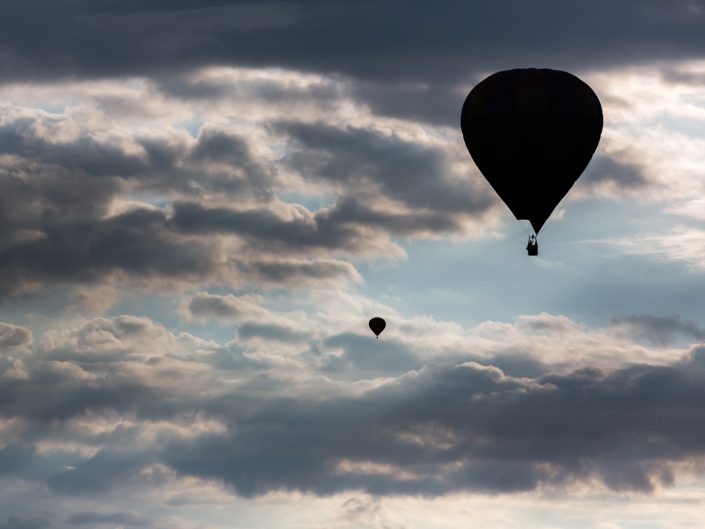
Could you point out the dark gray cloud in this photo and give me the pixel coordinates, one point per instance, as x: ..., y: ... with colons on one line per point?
x: 324, y: 92
x: 681, y: 75
x: 67, y: 398
x: 15, y: 522
x: 437, y: 105
x: 57, y: 197
x: 360, y: 359
x: 264, y: 228
x: 119, y: 518
x: 98, y: 474
x: 412, y: 101
x: 58, y: 226
x: 661, y: 330
x: 298, y: 274
x: 255, y: 322
x: 15, y: 458
x: 518, y: 365
x: 14, y: 336
x: 698, y: 355
x: 84, y: 155
x: 415, y: 61
x: 79, y: 177
x: 56, y: 200
x: 344, y: 227
x: 434, y: 429
x: 135, y: 243
x: 351, y: 212
x: 410, y: 41
x: 207, y: 305
x: 366, y: 512
x: 247, y: 174
x: 367, y: 162
x: 625, y: 176
x: 98, y: 167
x: 500, y: 434
x: 271, y: 331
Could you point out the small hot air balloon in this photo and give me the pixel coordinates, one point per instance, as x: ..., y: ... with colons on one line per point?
x: 377, y: 325
x: 531, y: 132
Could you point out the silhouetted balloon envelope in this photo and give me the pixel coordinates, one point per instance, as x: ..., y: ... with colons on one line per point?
x: 531, y: 132
x: 377, y: 325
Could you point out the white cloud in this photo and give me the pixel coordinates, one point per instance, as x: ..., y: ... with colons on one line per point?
x: 683, y: 244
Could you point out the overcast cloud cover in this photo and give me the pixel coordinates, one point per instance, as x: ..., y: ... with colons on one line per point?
x: 203, y: 202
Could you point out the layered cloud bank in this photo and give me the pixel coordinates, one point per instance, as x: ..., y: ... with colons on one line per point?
x: 392, y: 42
x: 124, y: 181
x: 90, y: 195
x: 100, y: 407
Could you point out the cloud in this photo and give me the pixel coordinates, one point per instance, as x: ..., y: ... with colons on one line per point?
x: 368, y: 162
x: 269, y: 92
x: 604, y: 171
x: 204, y: 305
x: 693, y: 209
x: 291, y: 273
x: 187, y: 34
x: 56, y: 219
x: 136, y: 243
x: 271, y: 332
x: 683, y: 244
x: 90, y: 200
x: 108, y: 154
x: 15, y: 342
x: 100, y: 473
x: 92, y: 518
x: 14, y: 336
x: 15, y: 522
x: 418, y: 102
x: 661, y: 330
x: 254, y: 322
x: 69, y: 216
x: 348, y: 227
x: 355, y: 356
x: 186, y: 196
x: 120, y: 338
x: 367, y: 512
x: 266, y: 230
x: 357, y: 415
x: 550, y: 324
x: 465, y: 427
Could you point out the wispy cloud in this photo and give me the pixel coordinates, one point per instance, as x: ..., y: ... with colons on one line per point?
x: 683, y: 244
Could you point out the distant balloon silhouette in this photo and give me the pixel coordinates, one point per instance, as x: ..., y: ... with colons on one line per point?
x: 531, y: 132
x: 377, y: 325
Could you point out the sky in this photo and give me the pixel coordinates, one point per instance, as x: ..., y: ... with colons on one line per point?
x: 202, y: 204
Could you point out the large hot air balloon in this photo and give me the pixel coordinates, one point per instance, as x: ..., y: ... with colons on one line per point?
x: 377, y: 325
x: 531, y: 132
